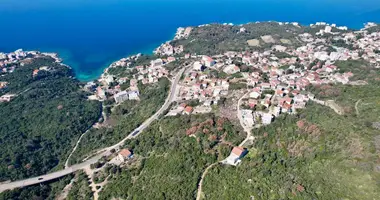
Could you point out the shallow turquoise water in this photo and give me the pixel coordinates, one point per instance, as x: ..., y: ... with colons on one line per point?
x: 89, y: 35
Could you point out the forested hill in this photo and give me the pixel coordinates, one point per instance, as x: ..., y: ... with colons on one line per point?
x: 41, y: 124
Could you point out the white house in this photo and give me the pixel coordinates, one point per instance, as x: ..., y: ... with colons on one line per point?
x: 121, y: 97
x: 267, y: 118
x: 235, y: 156
x: 197, y: 66
x: 231, y: 69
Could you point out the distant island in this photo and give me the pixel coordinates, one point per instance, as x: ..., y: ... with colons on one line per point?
x: 265, y: 110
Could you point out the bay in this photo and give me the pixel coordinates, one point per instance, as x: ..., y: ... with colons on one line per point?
x: 89, y: 34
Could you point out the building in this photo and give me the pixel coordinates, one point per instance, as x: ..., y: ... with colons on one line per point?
x: 328, y: 29
x: 3, y: 84
x: 209, y: 62
x: 109, y: 79
x: 157, y: 63
x: 6, y: 97
x: 133, y: 95
x: 231, y: 69
x: 121, y: 97
x: 188, y: 110
x: 197, y: 66
x: 35, y: 72
x: 100, y: 93
x: 124, y: 155
x: 235, y: 156
x: 267, y: 118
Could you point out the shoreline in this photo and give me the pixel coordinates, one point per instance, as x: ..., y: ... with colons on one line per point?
x: 85, y: 78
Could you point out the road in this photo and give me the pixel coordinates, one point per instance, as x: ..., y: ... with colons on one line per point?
x: 246, y: 129
x: 199, y: 190
x: 101, y: 153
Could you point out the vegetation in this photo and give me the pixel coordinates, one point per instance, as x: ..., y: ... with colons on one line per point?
x: 237, y: 86
x: 80, y: 189
x: 361, y: 69
x: 217, y: 38
x: 316, y: 154
x: 48, y: 190
x: 171, y: 162
x: 40, y: 126
x: 374, y: 29
x: 124, y: 119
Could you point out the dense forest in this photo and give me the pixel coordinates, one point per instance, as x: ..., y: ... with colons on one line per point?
x: 171, y: 162
x: 42, y: 123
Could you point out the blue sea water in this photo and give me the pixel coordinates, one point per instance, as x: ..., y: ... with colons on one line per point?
x: 90, y: 34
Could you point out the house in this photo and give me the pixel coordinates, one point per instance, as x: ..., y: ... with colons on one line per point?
x: 100, y: 93
x: 3, y: 84
x: 124, y: 155
x: 182, y: 106
x: 197, y: 66
x: 231, y: 69
x: 279, y: 48
x: 208, y: 61
x: 171, y: 59
x: 109, y: 79
x: 121, y: 97
x: 267, y: 118
x: 287, y: 107
x: 157, y: 63
x: 133, y: 95
x: 6, y: 97
x: 265, y: 86
x: 235, y: 156
x: 254, y: 94
x: 35, y: 72
x: 331, y: 68
x: 188, y: 110
x: 252, y: 103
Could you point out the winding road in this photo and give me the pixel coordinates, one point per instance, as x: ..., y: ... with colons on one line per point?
x: 199, y: 190
x: 104, y: 152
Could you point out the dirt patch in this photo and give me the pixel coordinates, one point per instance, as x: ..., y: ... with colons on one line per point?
x: 253, y: 42
x: 331, y: 103
x: 285, y: 41
x: 268, y: 39
x: 355, y: 148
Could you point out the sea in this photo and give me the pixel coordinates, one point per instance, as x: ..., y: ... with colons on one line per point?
x: 91, y: 34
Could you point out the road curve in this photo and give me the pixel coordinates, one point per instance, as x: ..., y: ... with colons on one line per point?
x: 101, y: 153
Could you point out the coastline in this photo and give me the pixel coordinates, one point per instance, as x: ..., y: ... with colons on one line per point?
x: 65, y: 57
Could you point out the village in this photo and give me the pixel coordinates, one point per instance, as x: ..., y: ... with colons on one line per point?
x: 274, y: 81
x: 10, y: 61
x: 274, y: 84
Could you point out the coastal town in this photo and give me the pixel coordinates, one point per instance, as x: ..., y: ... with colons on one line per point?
x: 263, y: 84
x: 275, y: 81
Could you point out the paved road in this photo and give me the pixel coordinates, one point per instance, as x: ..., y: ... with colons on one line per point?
x: 103, y: 152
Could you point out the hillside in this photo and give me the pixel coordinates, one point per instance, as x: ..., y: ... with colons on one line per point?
x: 42, y: 123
